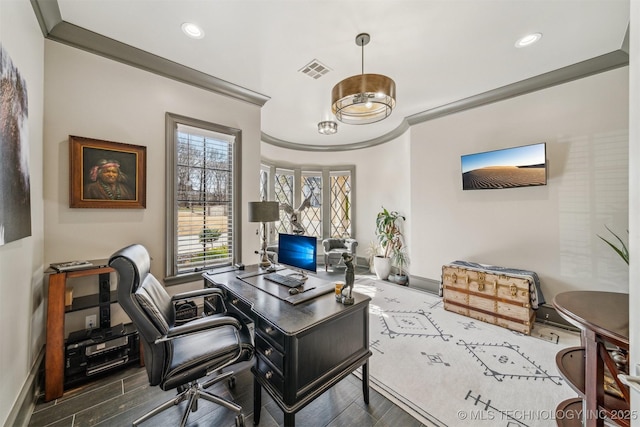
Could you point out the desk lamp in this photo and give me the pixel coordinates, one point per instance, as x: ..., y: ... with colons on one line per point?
x: 264, y: 212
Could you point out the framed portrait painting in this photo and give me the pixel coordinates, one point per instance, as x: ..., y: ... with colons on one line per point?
x: 105, y: 174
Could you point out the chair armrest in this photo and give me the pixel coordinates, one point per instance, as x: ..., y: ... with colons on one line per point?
x: 351, y: 244
x: 205, y: 292
x: 199, y: 325
x: 326, y: 245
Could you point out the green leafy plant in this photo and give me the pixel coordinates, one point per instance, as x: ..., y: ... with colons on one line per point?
x: 621, y: 250
x: 372, y: 250
x: 400, y: 259
x: 388, y: 231
x: 209, y: 235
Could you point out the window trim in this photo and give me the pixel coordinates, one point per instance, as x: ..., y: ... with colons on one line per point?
x: 326, y: 171
x: 171, y: 123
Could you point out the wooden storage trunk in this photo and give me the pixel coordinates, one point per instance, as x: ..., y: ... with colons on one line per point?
x: 490, y: 296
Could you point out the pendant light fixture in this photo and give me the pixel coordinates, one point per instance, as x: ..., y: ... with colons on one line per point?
x: 363, y: 98
x: 327, y: 127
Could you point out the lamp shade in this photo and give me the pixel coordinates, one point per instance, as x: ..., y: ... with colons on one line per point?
x: 363, y: 99
x: 264, y: 211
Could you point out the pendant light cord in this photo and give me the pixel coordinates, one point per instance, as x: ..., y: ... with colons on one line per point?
x: 362, y: 45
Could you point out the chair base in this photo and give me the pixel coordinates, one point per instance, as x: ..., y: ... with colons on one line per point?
x: 193, y: 392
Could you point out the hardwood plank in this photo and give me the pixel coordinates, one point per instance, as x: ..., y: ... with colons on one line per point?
x: 123, y: 396
x: 76, y: 404
x: 354, y: 415
x: 395, y: 416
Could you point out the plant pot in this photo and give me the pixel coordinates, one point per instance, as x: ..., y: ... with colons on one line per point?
x: 382, y: 266
x: 400, y: 279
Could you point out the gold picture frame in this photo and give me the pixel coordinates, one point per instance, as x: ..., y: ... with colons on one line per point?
x: 105, y: 174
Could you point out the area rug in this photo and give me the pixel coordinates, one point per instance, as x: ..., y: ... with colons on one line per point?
x: 450, y: 370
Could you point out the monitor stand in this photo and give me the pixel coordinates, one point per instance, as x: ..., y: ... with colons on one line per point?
x: 301, y: 275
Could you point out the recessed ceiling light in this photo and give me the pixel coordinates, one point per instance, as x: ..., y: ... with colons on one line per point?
x: 192, y: 30
x: 528, y: 40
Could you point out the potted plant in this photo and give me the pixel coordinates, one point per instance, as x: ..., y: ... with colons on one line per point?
x: 400, y: 258
x: 371, y: 252
x: 390, y: 240
x: 622, y: 250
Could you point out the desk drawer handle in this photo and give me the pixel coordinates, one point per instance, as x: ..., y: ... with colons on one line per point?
x: 268, y: 329
x: 268, y: 352
x: 268, y: 375
x: 234, y: 301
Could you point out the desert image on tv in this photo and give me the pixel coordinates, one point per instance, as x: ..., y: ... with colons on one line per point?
x: 509, y: 168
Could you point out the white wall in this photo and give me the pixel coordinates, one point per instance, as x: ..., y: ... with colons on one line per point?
x: 90, y: 96
x: 550, y: 229
x: 22, y: 302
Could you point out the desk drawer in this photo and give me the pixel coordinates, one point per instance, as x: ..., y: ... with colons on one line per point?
x: 274, y: 335
x: 269, y: 374
x: 270, y: 352
x: 236, y: 305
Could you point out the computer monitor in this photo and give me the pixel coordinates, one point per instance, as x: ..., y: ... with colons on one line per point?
x: 298, y: 251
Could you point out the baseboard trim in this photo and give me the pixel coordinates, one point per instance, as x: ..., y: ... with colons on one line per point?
x: 20, y: 413
x: 424, y: 284
x: 547, y: 314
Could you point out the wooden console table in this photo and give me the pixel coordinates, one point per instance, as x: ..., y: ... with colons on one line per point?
x: 603, y: 318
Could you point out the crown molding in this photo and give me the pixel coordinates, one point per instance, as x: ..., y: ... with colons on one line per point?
x: 599, y: 64
x: 395, y: 133
x: 563, y: 75
x: 55, y: 28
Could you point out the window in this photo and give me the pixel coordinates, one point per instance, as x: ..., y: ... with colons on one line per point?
x: 284, y: 195
x: 292, y: 186
x: 340, y: 204
x: 202, y: 205
x: 311, y: 216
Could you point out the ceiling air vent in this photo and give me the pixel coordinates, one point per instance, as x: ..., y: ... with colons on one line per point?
x: 315, y: 69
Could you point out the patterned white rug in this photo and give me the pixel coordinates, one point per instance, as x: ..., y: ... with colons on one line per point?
x: 451, y: 370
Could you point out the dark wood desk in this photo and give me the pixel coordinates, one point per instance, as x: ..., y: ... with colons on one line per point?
x: 301, y: 350
x: 603, y: 317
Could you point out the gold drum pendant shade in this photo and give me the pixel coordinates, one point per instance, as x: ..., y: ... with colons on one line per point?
x: 364, y: 98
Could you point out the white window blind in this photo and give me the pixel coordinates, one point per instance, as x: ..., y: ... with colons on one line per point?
x: 202, y: 204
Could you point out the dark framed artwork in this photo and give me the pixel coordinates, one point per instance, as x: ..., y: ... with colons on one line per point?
x: 105, y: 174
x: 15, y: 187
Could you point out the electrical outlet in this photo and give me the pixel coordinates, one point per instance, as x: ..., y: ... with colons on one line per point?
x: 90, y: 322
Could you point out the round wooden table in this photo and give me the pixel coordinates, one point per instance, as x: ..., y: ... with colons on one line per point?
x: 603, y: 317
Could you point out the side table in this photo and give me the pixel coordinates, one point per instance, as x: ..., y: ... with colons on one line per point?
x: 56, y: 311
x: 603, y: 319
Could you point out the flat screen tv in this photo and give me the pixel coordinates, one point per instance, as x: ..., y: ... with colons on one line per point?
x: 298, y: 252
x: 524, y: 166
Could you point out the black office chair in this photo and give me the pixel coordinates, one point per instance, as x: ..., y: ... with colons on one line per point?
x: 176, y: 356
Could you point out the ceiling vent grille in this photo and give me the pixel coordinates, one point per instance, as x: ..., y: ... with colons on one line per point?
x: 315, y: 69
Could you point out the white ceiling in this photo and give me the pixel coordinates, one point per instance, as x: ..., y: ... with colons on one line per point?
x: 438, y: 52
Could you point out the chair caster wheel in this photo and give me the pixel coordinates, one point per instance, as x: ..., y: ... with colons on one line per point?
x: 240, y: 420
x: 231, y: 382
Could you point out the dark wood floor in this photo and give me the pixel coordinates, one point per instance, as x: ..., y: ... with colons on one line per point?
x: 125, y: 395
x: 120, y: 398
